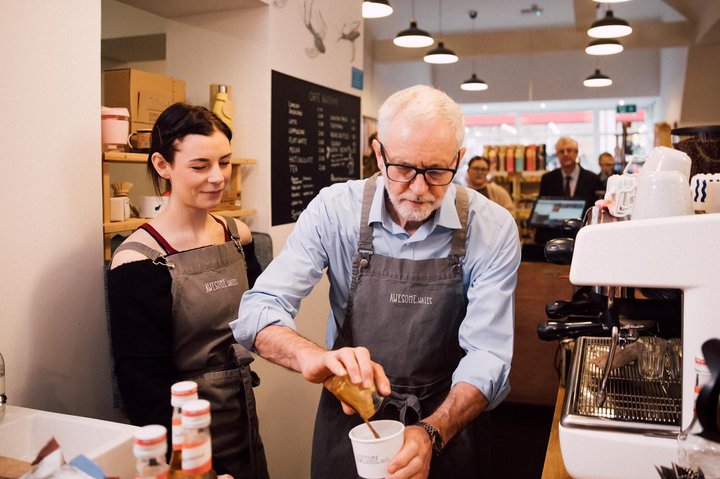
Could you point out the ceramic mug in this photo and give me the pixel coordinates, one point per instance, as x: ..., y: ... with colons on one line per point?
x: 660, y: 194
x: 140, y: 140
x: 699, y: 187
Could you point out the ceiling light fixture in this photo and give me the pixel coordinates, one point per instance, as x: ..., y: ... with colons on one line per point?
x: 376, y: 8
x: 597, y: 80
x: 473, y: 83
x: 440, y: 55
x: 413, y: 37
x: 610, y: 27
x: 604, y: 46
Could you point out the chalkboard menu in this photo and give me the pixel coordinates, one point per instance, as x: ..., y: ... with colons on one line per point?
x: 315, y: 143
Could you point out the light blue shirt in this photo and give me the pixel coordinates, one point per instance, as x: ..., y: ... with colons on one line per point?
x: 326, y: 236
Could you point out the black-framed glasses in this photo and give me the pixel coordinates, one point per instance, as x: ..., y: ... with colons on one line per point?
x: 407, y: 173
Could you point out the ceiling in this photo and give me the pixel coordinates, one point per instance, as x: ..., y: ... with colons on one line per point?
x: 182, y: 8
x: 502, y: 28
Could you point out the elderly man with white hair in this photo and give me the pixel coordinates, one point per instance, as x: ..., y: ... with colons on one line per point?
x: 422, y: 276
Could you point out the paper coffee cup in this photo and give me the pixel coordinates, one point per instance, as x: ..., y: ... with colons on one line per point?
x: 372, y: 455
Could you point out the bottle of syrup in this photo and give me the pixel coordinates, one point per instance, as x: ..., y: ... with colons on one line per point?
x: 180, y: 393
x: 197, y: 448
x: 149, y: 448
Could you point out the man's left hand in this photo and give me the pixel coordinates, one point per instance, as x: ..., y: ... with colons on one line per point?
x: 413, y: 460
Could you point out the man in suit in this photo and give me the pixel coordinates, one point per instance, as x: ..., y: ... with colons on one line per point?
x: 570, y: 180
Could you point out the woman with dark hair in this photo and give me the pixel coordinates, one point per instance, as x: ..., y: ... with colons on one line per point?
x: 175, y: 284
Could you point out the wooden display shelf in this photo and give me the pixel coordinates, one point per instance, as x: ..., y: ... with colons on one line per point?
x: 133, y: 223
x: 127, y: 157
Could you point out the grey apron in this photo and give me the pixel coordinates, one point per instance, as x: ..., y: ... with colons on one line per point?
x: 207, y: 284
x: 407, y: 313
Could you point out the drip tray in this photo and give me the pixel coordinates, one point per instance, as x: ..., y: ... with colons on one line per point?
x: 632, y: 403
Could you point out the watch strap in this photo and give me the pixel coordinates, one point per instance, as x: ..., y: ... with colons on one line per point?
x: 436, y: 439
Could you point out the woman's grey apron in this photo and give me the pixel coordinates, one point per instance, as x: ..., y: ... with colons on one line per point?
x: 207, y: 284
x: 407, y: 313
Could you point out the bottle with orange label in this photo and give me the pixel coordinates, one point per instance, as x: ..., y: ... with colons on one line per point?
x: 180, y: 393
x: 149, y: 448
x: 197, y: 448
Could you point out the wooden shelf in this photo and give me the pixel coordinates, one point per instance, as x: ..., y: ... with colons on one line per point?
x: 114, y: 156
x: 133, y: 223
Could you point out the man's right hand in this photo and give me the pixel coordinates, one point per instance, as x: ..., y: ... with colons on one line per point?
x: 286, y: 347
x: 353, y: 363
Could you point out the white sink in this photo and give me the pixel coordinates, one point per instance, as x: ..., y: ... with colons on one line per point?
x: 25, y: 431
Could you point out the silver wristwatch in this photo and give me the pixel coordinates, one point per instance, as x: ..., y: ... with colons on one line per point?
x: 436, y: 439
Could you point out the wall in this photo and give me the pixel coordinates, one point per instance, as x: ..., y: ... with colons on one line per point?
x: 701, y: 96
x: 672, y: 82
x: 53, y: 333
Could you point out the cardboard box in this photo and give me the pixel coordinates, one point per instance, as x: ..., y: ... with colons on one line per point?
x: 143, y: 93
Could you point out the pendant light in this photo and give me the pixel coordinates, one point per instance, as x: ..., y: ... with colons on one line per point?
x: 440, y: 55
x: 610, y: 27
x: 473, y: 83
x: 376, y: 8
x: 597, y: 80
x: 413, y: 37
x: 604, y: 46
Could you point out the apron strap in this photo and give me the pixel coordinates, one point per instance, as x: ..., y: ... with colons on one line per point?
x: 234, y: 233
x: 366, y: 231
x: 232, y: 227
x: 461, y: 205
x: 152, y: 254
x: 242, y: 359
x: 408, y: 408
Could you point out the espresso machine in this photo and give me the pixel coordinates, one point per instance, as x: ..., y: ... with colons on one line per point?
x: 615, y: 424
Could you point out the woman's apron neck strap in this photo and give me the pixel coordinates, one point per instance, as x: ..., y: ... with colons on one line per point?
x: 234, y: 232
x: 154, y: 255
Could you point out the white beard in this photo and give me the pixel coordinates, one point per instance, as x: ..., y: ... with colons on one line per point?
x: 412, y: 213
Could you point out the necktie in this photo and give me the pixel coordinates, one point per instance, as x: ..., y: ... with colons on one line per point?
x: 567, y: 185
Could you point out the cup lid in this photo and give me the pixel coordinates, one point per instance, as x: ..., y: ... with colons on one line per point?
x: 107, y: 111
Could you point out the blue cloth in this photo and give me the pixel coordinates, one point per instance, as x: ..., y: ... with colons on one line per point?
x: 326, y: 236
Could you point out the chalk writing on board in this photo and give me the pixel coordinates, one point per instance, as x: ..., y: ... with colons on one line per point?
x: 315, y: 143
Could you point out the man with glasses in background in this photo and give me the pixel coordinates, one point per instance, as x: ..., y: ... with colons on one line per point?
x: 477, y: 179
x: 570, y: 180
x: 422, y: 275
